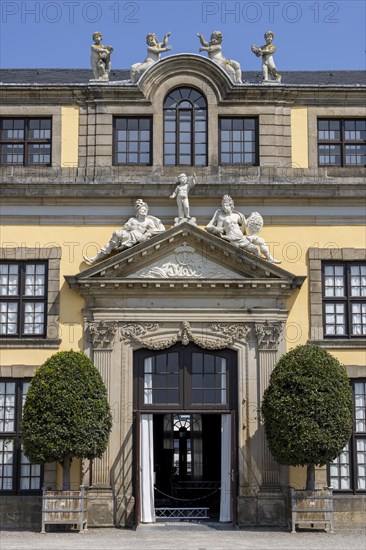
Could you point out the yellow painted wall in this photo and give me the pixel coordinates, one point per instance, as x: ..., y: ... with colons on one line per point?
x: 69, y: 136
x: 299, y: 137
x: 287, y: 243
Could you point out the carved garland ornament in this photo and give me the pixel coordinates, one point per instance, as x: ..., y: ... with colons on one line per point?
x: 268, y: 334
x: 229, y: 333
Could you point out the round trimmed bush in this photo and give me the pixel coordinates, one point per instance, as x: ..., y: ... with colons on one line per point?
x: 307, y: 408
x: 66, y: 412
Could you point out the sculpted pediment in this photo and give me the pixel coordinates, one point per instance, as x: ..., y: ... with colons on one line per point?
x: 184, y: 253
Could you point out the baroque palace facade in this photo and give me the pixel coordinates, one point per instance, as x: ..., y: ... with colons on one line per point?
x: 185, y: 326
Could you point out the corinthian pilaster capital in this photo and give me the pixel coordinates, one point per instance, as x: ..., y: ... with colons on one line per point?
x: 102, y: 333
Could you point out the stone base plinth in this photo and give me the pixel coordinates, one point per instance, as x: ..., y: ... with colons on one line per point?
x: 265, y: 508
x: 100, y: 507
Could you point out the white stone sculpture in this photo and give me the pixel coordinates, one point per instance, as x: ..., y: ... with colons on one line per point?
x: 185, y: 184
x: 214, y: 50
x: 136, y: 230
x: 100, y: 59
x: 154, y: 50
x: 268, y: 65
x: 229, y: 224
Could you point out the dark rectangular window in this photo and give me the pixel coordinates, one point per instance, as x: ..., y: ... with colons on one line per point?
x: 238, y: 138
x: 342, y: 142
x: 132, y: 140
x: 16, y: 472
x: 23, y: 299
x: 344, y: 299
x: 25, y: 141
x: 185, y: 378
x: 348, y: 471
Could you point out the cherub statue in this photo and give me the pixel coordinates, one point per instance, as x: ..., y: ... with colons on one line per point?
x: 268, y: 64
x: 214, y: 50
x: 229, y: 224
x: 185, y: 184
x: 154, y: 50
x: 136, y: 230
x: 100, y: 59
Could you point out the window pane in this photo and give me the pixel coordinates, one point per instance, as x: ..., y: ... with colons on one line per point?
x: 7, y: 407
x: 9, y: 318
x: 334, y: 282
x: 9, y: 279
x: 12, y: 153
x: 330, y: 155
x: 355, y: 155
x: 361, y: 463
x: 6, y: 464
x: 360, y: 407
x: 335, y: 319
x: 339, y: 471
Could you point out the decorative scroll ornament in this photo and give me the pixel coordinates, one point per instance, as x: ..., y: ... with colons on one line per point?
x: 102, y: 333
x: 268, y: 334
x: 185, y: 263
x: 229, y: 333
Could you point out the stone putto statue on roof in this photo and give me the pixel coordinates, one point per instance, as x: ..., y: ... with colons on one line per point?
x: 268, y: 65
x: 185, y: 184
x: 214, y: 50
x: 100, y: 59
x: 154, y: 51
x: 136, y: 230
x: 229, y: 224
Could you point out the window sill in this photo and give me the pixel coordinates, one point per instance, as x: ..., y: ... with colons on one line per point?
x: 340, y: 343
x: 18, y: 343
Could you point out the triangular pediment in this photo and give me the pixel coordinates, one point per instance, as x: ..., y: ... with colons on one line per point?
x: 184, y: 253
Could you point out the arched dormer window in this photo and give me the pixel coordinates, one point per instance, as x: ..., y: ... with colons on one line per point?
x: 185, y: 128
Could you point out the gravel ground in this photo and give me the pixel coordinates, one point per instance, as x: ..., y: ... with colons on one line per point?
x: 184, y: 537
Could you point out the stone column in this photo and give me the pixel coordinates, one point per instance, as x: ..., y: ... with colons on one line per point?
x: 102, y: 334
x: 268, y: 335
x: 101, y: 505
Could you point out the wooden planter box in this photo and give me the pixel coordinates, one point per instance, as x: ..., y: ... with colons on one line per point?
x: 312, y: 508
x: 65, y: 508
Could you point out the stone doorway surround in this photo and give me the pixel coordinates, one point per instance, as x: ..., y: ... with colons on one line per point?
x: 185, y: 285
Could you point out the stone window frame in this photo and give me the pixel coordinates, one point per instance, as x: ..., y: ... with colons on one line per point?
x: 315, y: 257
x: 52, y: 256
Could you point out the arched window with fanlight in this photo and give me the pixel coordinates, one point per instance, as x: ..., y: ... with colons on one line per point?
x: 185, y: 128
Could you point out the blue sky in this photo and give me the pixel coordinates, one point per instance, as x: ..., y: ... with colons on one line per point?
x: 309, y: 35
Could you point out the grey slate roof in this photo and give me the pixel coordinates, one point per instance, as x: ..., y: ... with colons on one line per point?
x: 82, y: 76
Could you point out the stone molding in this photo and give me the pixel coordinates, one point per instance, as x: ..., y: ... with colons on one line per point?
x: 51, y: 255
x: 315, y: 257
x: 269, y: 335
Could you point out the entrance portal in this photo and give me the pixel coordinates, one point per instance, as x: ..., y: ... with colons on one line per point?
x: 187, y: 462
x: 185, y: 403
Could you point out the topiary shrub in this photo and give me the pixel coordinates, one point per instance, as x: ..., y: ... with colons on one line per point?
x: 66, y: 412
x: 307, y: 409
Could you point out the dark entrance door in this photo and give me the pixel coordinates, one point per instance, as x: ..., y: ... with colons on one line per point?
x: 182, y: 393
x: 187, y: 461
